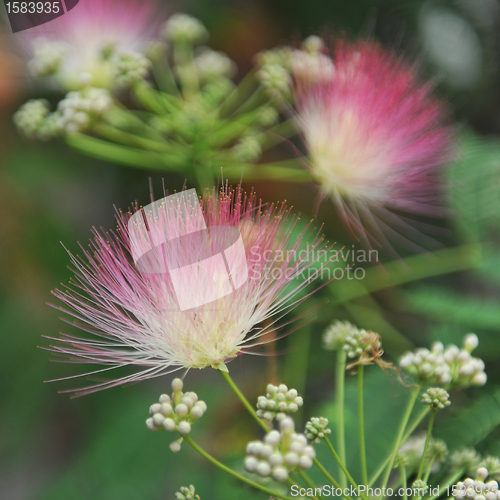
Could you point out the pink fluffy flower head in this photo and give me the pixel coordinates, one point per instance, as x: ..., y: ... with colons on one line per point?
x: 375, y: 136
x: 77, y: 48
x: 134, y: 319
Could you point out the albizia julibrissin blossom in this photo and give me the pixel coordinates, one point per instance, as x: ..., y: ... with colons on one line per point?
x: 86, y: 46
x: 376, y: 137
x: 134, y: 317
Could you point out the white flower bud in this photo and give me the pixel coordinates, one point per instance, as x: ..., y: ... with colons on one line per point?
x: 280, y: 474
x: 164, y: 398
x: 196, y: 412
x: 150, y: 424
x: 184, y: 28
x: 282, y: 407
x: 297, y: 447
x: 426, y: 369
x: 276, y: 459
x: 166, y: 409
x: 287, y: 425
x: 291, y: 459
x: 471, y: 342
x: 154, y: 409
x: 263, y: 469
x: 186, y: 400
x: 482, y: 473
x: 406, y: 360
x: 251, y: 464
x: 266, y: 451
x: 181, y: 410
x: 273, y: 438
x: 169, y: 425
x: 492, y: 485
x: 480, y: 378
x: 305, y: 462
x: 177, y: 384
x: 184, y: 428
x: 313, y: 44
x: 271, y: 389
x: 175, y: 446
x: 158, y: 419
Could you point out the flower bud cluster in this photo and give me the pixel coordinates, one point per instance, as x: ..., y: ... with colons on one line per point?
x: 467, y: 459
x: 79, y: 110
x: 312, y: 67
x: 186, y: 493
x: 411, y: 452
x: 268, y: 116
x: 450, y: 366
x: 335, y: 335
x: 176, y: 413
x: 47, y: 57
x: 247, y: 149
x: 492, y: 464
x: 280, y: 454
x: 421, y: 486
x: 477, y: 489
x: 278, y: 402
x: 185, y: 29
x: 130, y: 67
x: 308, y: 64
x: 436, y: 398
x: 212, y: 64
x: 31, y: 119
x: 362, y: 344
x: 316, y: 429
x: 275, y: 79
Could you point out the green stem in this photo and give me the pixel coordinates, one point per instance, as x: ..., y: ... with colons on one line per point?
x: 267, y: 173
x: 404, y: 481
x: 297, y: 361
x: 361, y: 426
x: 428, y: 471
x: 243, y: 399
x: 307, y: 479
x: 343, y: 467
x: 400, y: 434
x: 407, y: 434
x: 103, y: 150
x: 189, y: 440
x: 127, y: 139
x: 317, y: 463
x: 426, y: 446
x: 339, y: 405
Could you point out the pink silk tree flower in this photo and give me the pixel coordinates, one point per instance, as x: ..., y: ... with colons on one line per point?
x: 80, y: 48
x: 132, y: 313
x: 376, y: 138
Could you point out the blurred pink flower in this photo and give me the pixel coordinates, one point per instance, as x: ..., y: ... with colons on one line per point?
x: 77, y: 47
x: 375, y: 136
x: 135, y: 319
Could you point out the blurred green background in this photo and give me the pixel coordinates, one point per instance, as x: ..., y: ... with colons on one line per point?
x: 97, y: 447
